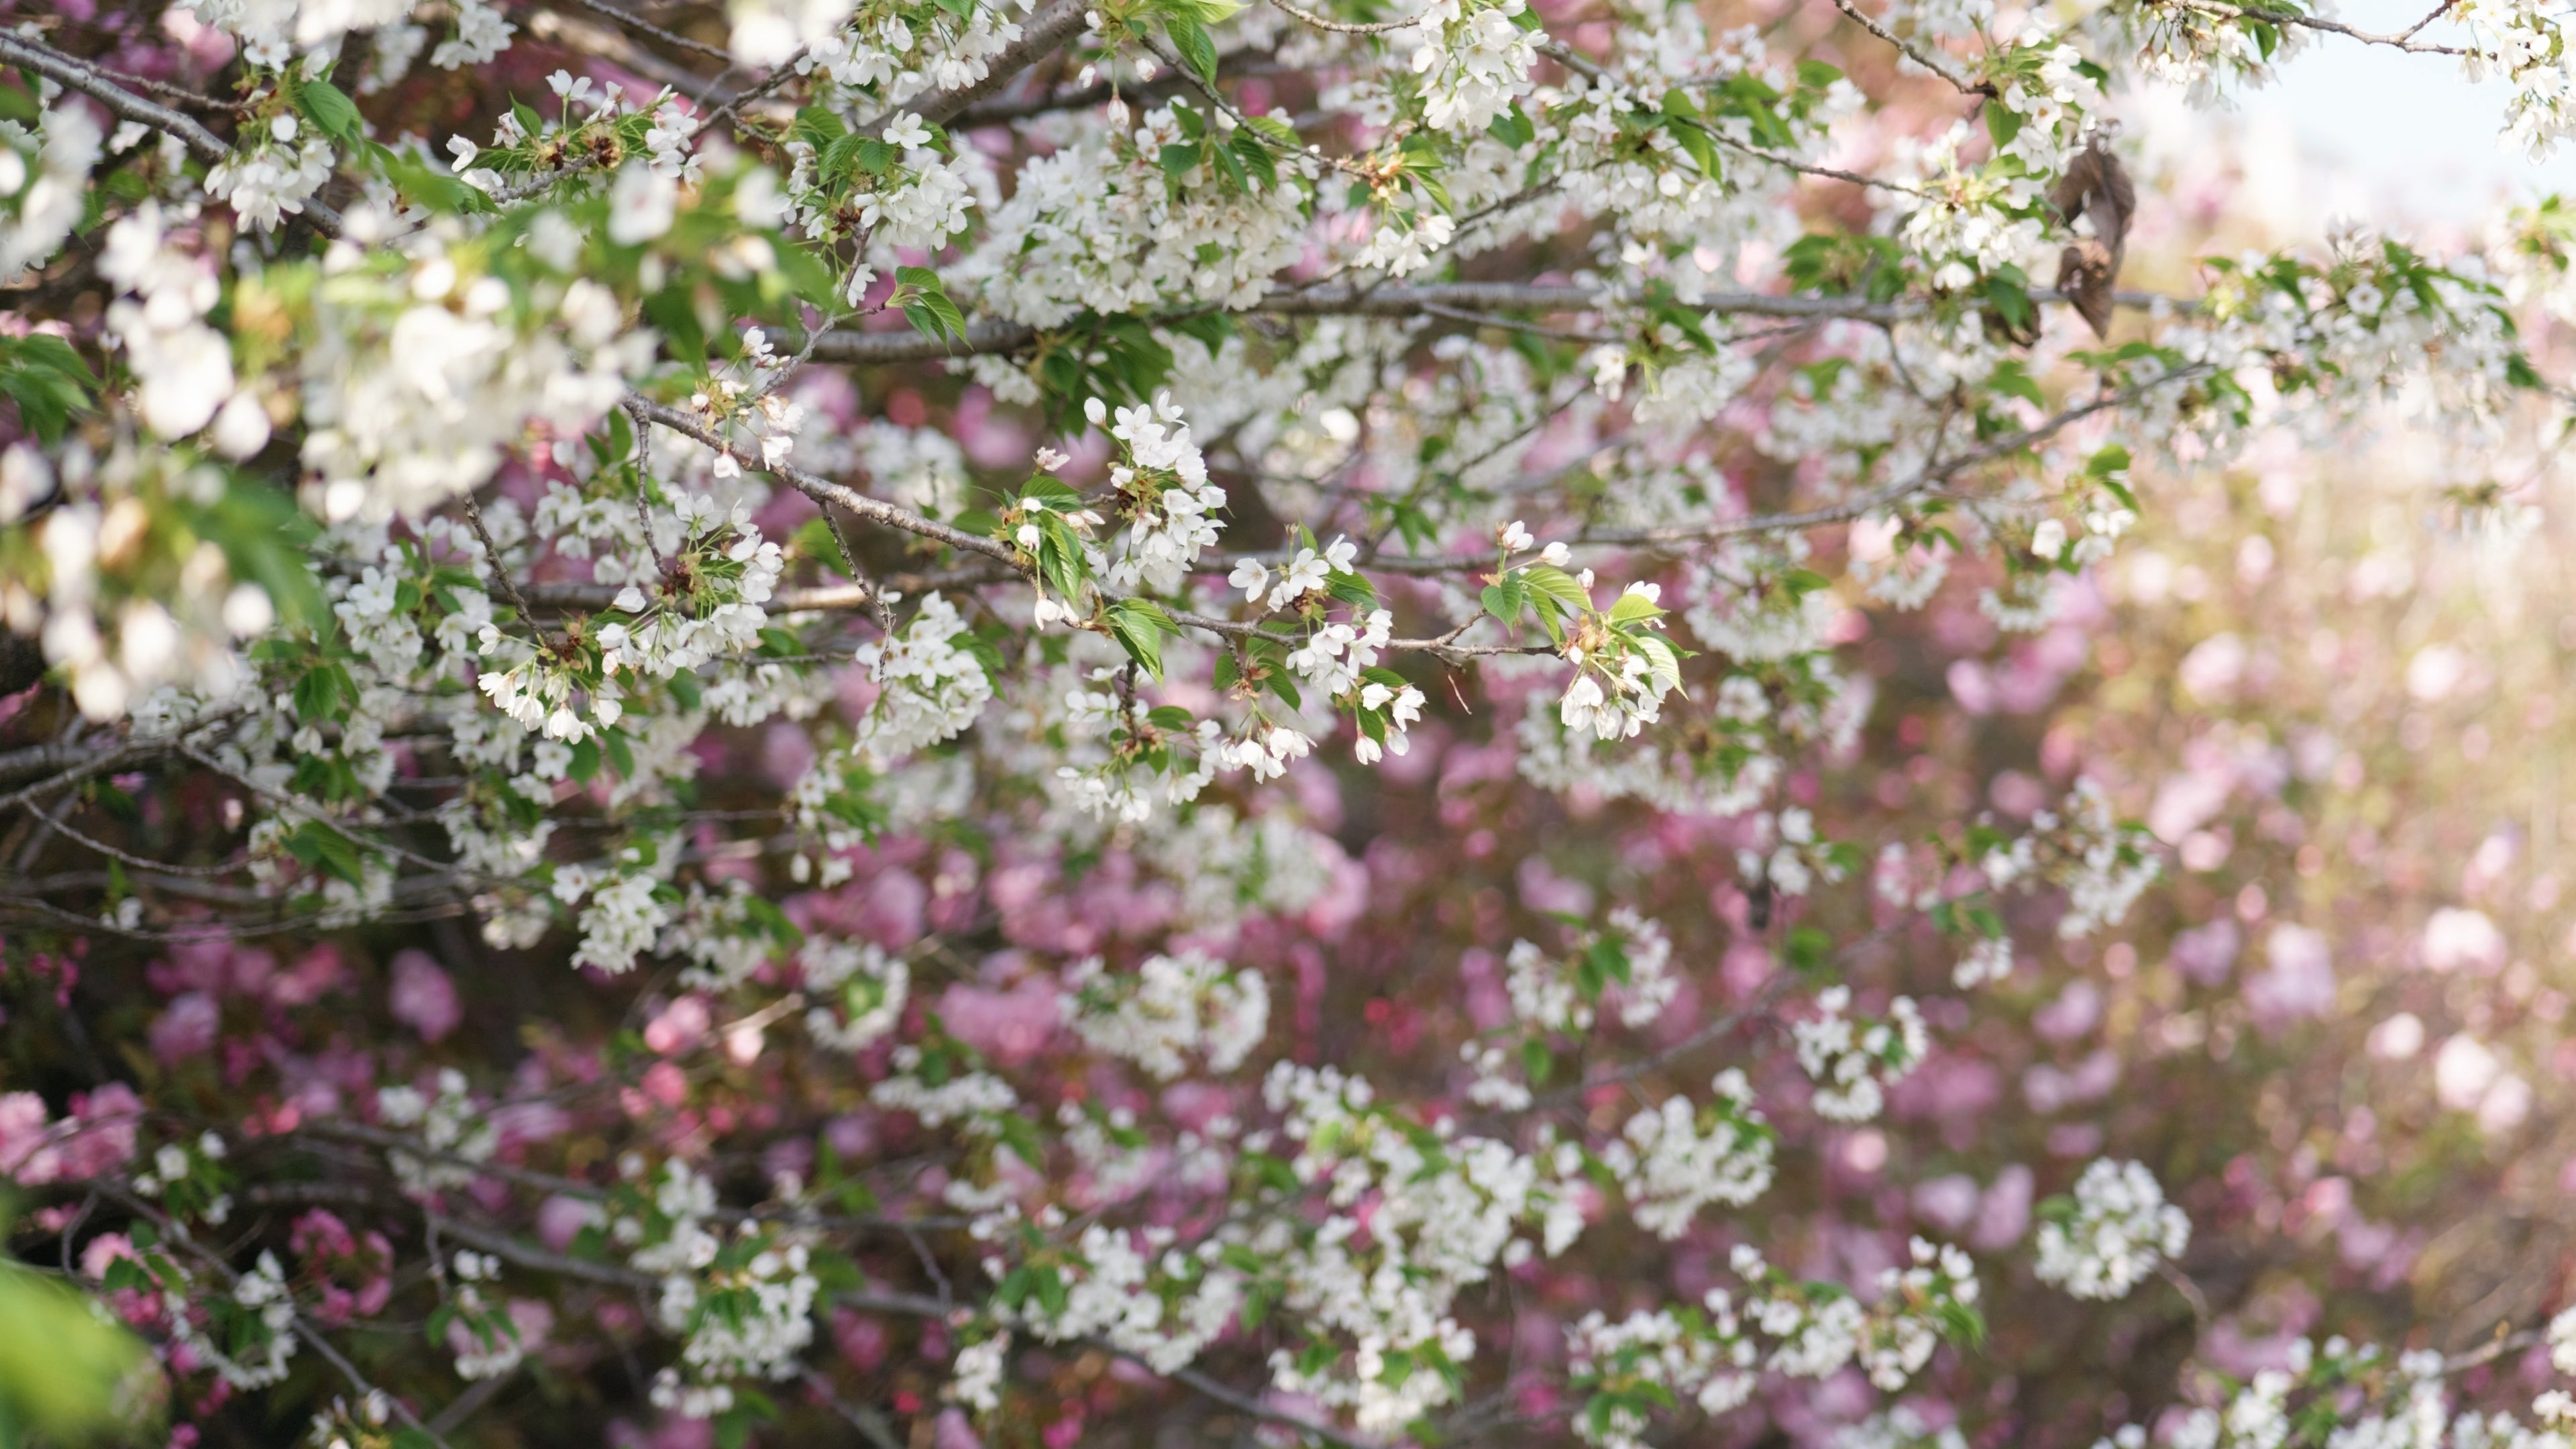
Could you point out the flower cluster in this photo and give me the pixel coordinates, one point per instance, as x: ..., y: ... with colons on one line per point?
x: 742, y: 1301
x: 1852, y: 1062
x: 1166, y: 496
x: 1675, y: 1160
x: 1170, y: 1009
x: 453, y: 1133
x: 43, y: 174
x: 866, y: 987
x: 2115, y: 1232
x: 1633, y: 954
x: 930, y: 686
x: 1471, y: 63
x: 272, y: 180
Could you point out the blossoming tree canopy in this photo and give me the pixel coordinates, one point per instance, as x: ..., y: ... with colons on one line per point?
x: 1005, y: 721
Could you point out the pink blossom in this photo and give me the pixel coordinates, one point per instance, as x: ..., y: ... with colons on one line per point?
x: 1947, y: 1203
x: 680, y: 1026
x: 2206, y: 953
x: 2300, y: 981
x: 103, y: 1251
x: 2456, y: 939
x: 1008, y: 1026
x: 953, y: 1432
x: 2076, y: 1011
x: 560, y: 1219
x: 2004, y: 1215
x: 187, y: 1027
x: 424, y: 998
x: 26, y: 1150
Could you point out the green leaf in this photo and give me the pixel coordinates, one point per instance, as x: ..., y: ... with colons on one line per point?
x: 1276, y: 129
x: 1256, y: 1305
x: 1696, y: 143
x: 1249, y: 151
x: 1278, y: 683
x: 1202, y: 12
x: 317, y: 695
x: 265, y: 539
x: 330, y: 110
x: 48, y: 380
x: 2006, y: 292
x: 60, y: 1361
x: 328, y: 851
x: 1052, y: 1294
x: 675, y: 314
x: 1663, y: 659
x: 1139, y: 626
x: 2012, y: 379
x: 1808, y: 950
x: 1559, y: 585
x: 1190, y: 38
x: 417, y: 179
x: 2002, y: 123
x: 1631, y: 607
x: 946, y: 311
x: 1537, y: 1062
x: 1961, y: 1323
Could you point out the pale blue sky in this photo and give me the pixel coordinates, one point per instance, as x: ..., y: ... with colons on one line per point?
x: 2376, y: 129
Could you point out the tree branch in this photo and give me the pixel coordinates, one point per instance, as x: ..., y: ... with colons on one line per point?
x: 201, y: 143
x: 824, y: 490
x: 1343, y: 299
x: 1042, y: 36
x: 2397, y: 40
x: 1909, y: 51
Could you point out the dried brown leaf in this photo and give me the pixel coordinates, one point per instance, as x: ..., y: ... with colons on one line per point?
x: 2096, y: 188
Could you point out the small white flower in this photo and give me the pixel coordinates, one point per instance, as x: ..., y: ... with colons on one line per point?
x: 2049, y: 539
x: 1250, y: 576
x: 907, y: 131
x: 641, y: 204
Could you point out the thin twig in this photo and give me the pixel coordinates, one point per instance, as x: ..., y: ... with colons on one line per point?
x: 201, y: 143
x: 642, y: 26
x: 1908, y: 49
x: 501, y: 571
x: 1343, y: 27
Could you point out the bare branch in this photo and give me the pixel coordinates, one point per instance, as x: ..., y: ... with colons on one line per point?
x: 824, y: 490
x: 1042, y: 35
x: 1342, y: 27
x: 52, y: 64
x: 201, y: 143
x: 641, y: 26
x: 2397, y: 40
x: 1911, y: 53
x: 1344, y: 299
